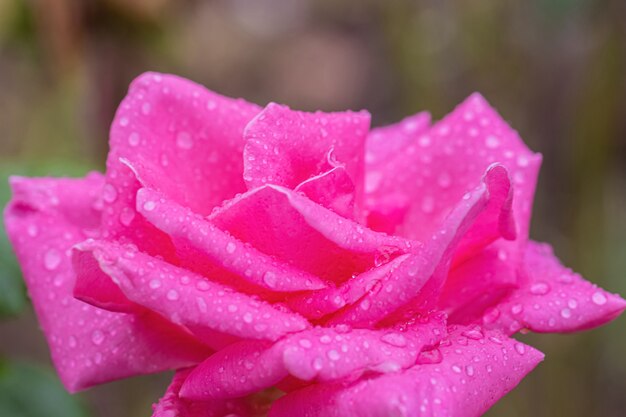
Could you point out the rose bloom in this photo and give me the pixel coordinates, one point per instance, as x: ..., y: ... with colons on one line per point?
x: 297, y: 264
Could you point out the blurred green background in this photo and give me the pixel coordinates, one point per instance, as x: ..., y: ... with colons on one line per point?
x: 556, y: 69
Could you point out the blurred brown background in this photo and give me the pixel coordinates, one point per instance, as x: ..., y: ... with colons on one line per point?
x: 556, y: 69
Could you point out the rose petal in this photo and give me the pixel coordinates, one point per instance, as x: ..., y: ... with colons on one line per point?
x: 188, y: 299
x: 552, y: 298
x: 317, y: 304
x: 172, y: 132
x: 477, y: 284
x: 323, y: 354
x: 473, y: 374
x: 332, y: 189
x: 384, y: 143
x: 417, y: 282
x: 172, y: 405
x: 237, y: 370
x: 286, y: 147
x: 294, y: 229
x: 437, y: 168
x: 88, y: 346
x: 203, y: 248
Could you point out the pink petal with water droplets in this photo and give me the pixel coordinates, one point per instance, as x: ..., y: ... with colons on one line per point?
x: 322, y: 354
x: 237, y: 370
x: 203, y: 248
x: 286, y: 147
x: 290, y: 227
x: 552, y: 298
x: 332, y: 189
x: 439, y: 165
x: 317, y: 304
x: 188, y: 299
x: 88, y: 346
x: 180, y: 139
x: 172, y: 405
x: 473, y: 374
x: 416, y: 283
x: 476, y: 285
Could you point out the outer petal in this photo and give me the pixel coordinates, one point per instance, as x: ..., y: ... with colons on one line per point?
x: 188, y: 299
x: 474, y: 373
x: 322, y: 354
x: 438, y: 167
x: 207, y: 250
x: 285, y: 147
x: 171, y: 405
x: 172, y: 132
x: 287, y: 225
x: 552, y: 298
x: 88, y: 346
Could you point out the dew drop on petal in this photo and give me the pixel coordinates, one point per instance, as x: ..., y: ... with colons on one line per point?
x: 598, y: 298
x: 52, y: 259
x: 149, y: 205
x: 184, y: 140
x: 172, y: 295
x: 539, y: 288
x: 231, y: 247
x: 333, y: 355
x: 97, y: 337
x: 269, y: 278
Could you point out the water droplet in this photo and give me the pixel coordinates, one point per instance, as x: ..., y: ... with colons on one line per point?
x: 97, y: 337
x: 318, y: 364
x: 231, y: 247
x: 126, y: 216
x: 424, y: 141
x: 305, y: 343
x: 172, y: 295
x: 146, y: 108
x: 269, y: 278
x: 325, y: 339
x: 394, y: 339
x: 134, y: 139
x: 517, y: 309
x: 365, y: 304
x: 201, y: 304
x: 202, y: 285
x: 32, y: 230
x: 428, y: 204
x: 444, y: 180
x: 520, y: 348
x: 469, y: 370
x: 492, y: 142
x: 109, y: 193
x: 52, y: 259
x: 72, y: 342
x: 539, y: 288
x: 247, y: 317
x: 474, y: 334
x: 124, y: 121
x: 456, y: 369
x: 566, y: 313
x: 522, y: 161
x: 149, y: 205
x: 598, y: 298
x: 333, y: 355
x: 572, y: 303
x: 154, y: 284
x: 232, y: 308
x: 184, y: 140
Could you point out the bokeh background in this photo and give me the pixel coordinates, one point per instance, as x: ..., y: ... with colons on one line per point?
x: 556, y: 69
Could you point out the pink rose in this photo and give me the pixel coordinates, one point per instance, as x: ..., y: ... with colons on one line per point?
x: 362, y: 272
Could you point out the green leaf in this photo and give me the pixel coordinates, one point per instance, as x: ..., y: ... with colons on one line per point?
x: 28, y: 390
